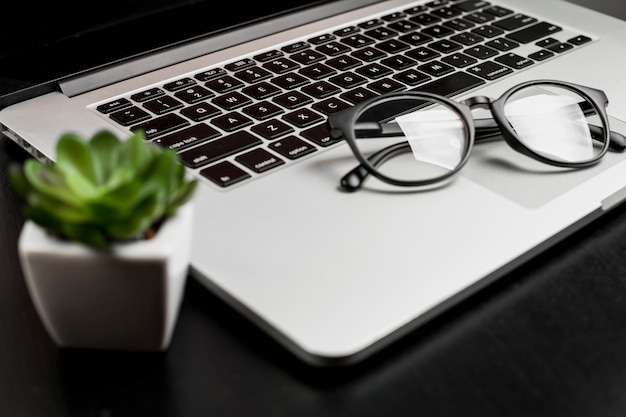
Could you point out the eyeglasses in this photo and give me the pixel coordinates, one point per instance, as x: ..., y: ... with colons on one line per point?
x: 419, y: 139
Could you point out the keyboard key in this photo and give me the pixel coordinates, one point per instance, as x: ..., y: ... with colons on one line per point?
x: 219, y: 148
x: 200, y: 111
x: 161, y: 125
x: 450, y: 85
x: 514, y: 61
x: 292, y: 147
x: 231, y: 101
x: 113, y: 106
x: 147, y: 95
x: 259, y: 160
x: 272, y: 129
x: 129, y: 116
x: 163, y: 105
x: 541, y: 55
x: 231, y: 121
x: 225, y: 174
x: 534, y: 32
x: 490, y: 70
x: 180, y: 84
x: 187, y: 137
x: 263, y: 110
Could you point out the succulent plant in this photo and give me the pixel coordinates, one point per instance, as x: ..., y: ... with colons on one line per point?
x: 104, y: 189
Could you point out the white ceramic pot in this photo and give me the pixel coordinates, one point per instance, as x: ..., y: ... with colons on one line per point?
x: 123, y: 298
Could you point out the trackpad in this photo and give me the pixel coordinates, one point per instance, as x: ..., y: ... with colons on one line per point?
x: 530, y: 183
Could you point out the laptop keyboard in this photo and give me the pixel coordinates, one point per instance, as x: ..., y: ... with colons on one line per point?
x: 242, y: 120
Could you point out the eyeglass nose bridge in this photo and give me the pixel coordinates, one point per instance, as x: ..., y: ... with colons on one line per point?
x: 481, y: 102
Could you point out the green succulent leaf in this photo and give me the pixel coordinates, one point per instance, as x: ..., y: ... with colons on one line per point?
x: 104, y: 189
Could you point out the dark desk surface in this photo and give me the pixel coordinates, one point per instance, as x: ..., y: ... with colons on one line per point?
x: 547, y: 340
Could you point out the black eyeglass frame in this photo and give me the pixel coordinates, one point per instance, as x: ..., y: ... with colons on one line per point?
x: 341, y: 125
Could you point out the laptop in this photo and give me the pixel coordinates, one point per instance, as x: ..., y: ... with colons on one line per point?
x: 242, y: 92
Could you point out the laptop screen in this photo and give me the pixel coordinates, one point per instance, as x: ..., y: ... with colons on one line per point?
x: 48, y: 41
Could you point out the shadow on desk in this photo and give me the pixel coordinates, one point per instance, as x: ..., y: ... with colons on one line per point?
x: 546, y: 340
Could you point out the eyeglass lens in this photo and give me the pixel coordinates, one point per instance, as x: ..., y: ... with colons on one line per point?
x: 431, y: 139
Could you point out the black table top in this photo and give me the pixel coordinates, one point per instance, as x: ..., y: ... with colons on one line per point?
x: 549, y: 339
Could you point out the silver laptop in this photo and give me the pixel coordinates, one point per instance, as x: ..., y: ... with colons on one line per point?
x: 334, y: 276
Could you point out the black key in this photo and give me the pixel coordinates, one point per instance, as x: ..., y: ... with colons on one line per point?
x: 231, y: 121
x: 502, y: 44
x: 445, y: 46
x: 231, y: 101
x: 386, y: 85
x: 437, y: 31
x: 129, y: 116
x: 113, y: 106
x: 411, y: 77
x: 292, y: 147
x: 319, y: 135
x: 541, y: 55
x: 281, y: 65
x: 261, y: 90
x: 579, y: 40
x: 423, y: 54
x: 187, y: 137
x: 163, y: 105
x: 303, y: 117
x: 290, y: 81
x: 272, y: 129
x: 200, y: 111
x: 263, y: 110
x: 436, y: 68
x: 292, y: 100
x: 317, y: 71
x: 333, y: 49
x: 398, y: 62
x: 490, y: 70
x: 193, y: 94
x: 259, y: 160
x: 161, y: 125
x: 534, y: 32
x: 346, y: 62
x: 468, y: 6
x: 348, y: 80
x: 321, y: 89
x: 210, y: 74
x: 515, y: 22
x: 294, y: 47
x: 514, y: 61
x: 481, y: 52
x: 560, y: 47
x: 268, y: 56
x: 219, y: 148
x: 368, y: 54
x: 357, y: 41
x: 147, y: 94
x: 357, y: 95
x: 239, y: 65
x: 331, y: 105
x: 224, y: 174
x: 253, y: 74
x: 452, y: 84
x: 374, y: 71
x: 488, y: 31
x: 224, y: 84
x: 179, y: 84
x: 459, y: 60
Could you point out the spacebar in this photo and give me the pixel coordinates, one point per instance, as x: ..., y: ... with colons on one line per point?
x: 451, y: 84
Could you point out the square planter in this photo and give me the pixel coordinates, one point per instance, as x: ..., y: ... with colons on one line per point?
x: 123, y: 298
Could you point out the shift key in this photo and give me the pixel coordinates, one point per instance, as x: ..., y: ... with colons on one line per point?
x: 534, y: 32
x: 218, y: 149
